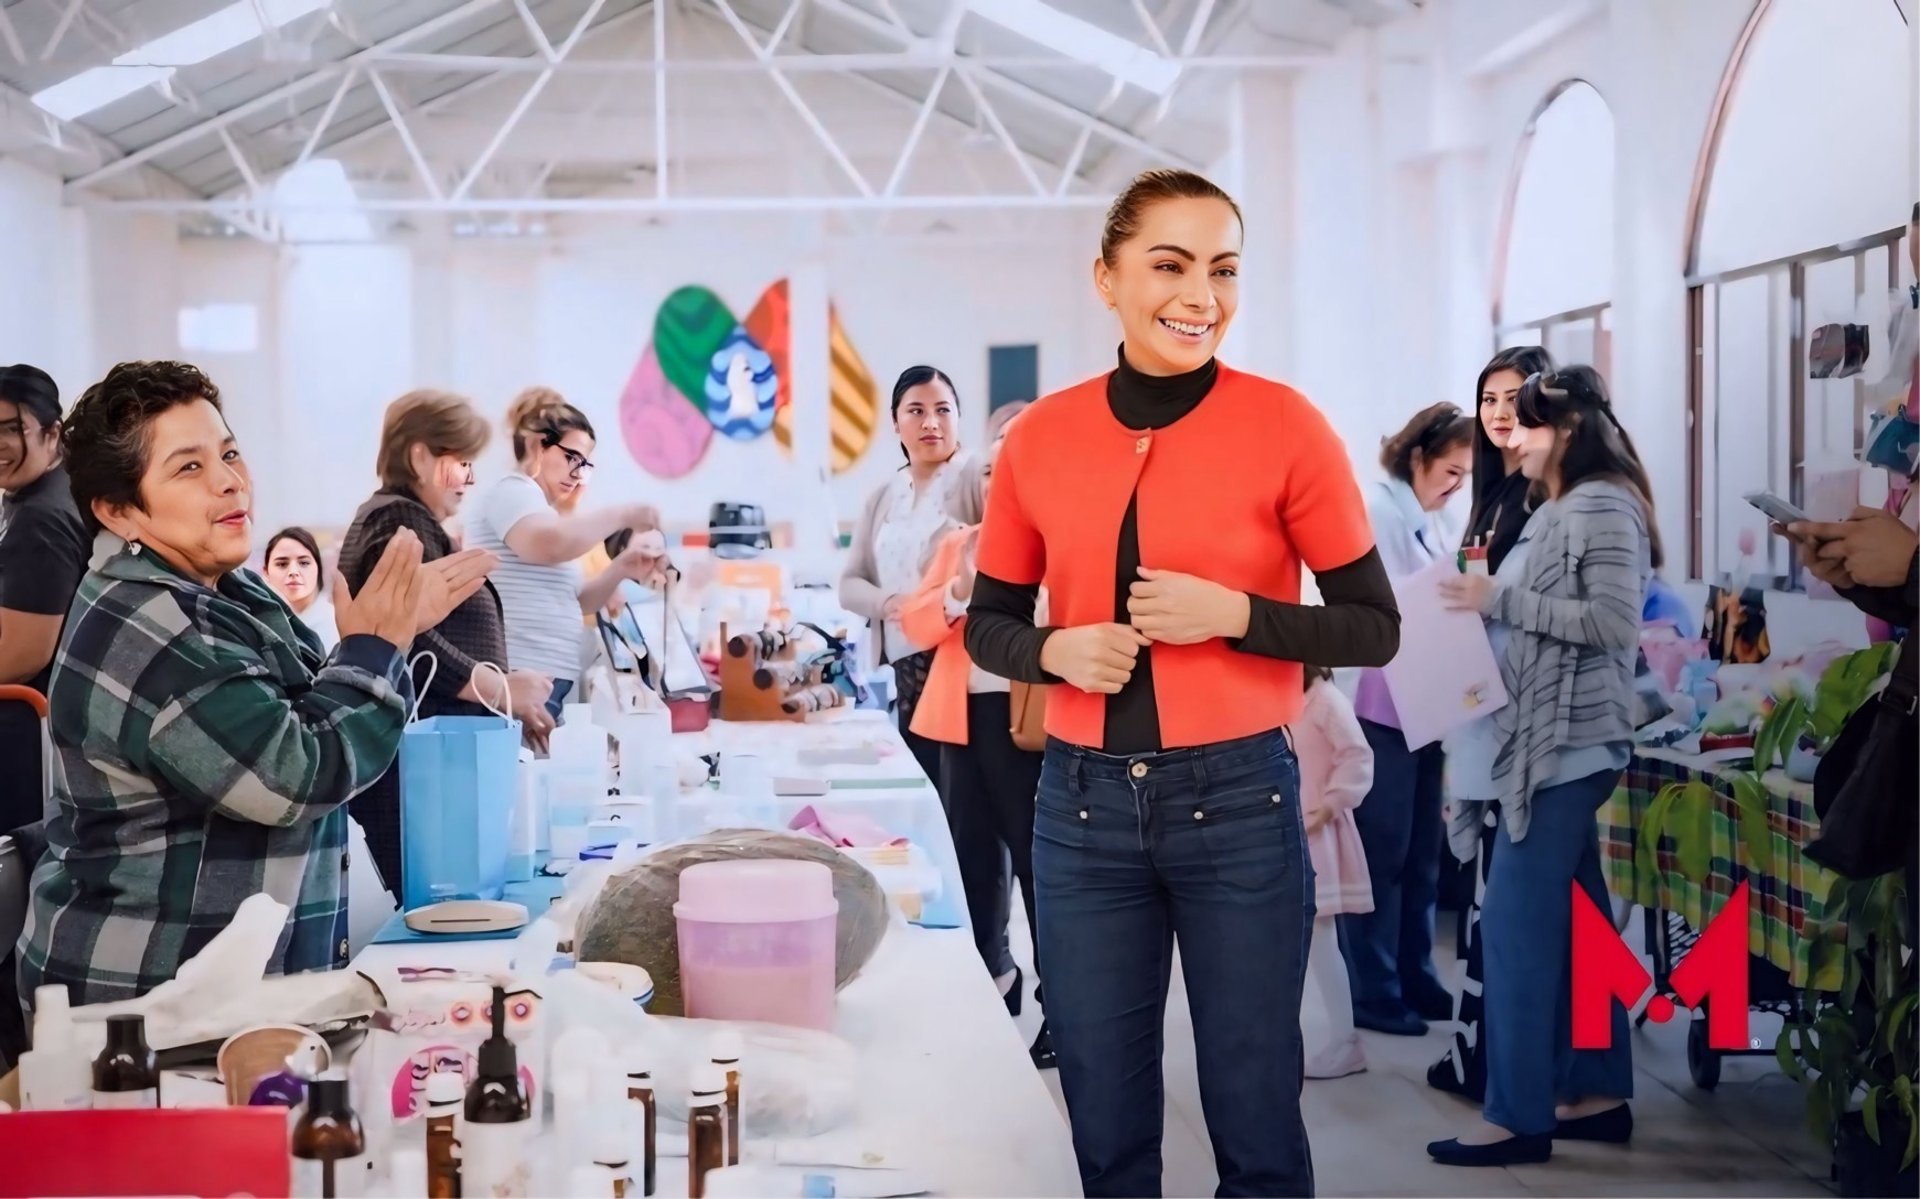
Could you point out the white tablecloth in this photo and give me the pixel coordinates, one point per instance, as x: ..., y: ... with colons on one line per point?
x: 946, y: 1081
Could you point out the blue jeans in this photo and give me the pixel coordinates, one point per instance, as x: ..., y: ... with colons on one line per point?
x: 1204, y: 845
x: 1526, y: 936
x: 1389, y: 950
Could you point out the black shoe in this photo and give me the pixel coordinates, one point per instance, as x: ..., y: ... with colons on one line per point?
x: 1514, y: 1151
x: 1400, y: 1024
x: 1042, y: 1050
x: 1431, y: 1004
x: 1611, y: 1127
x: 1014, y: 993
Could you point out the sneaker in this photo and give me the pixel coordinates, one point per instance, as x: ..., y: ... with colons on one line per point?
x: 1337, y: 1060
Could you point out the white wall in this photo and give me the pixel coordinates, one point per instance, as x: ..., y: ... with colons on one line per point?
x: 348, y: 328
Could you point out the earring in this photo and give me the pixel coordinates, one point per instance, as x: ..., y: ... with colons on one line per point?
x: 133, y: 547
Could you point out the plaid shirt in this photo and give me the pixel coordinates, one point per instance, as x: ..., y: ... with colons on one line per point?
x: 203, y: 752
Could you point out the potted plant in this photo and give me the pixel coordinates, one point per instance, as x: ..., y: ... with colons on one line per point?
x: 1856, y: 1050
x: 1796, y: 733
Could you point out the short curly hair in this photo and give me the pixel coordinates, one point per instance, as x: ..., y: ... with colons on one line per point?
x: 106, y: 433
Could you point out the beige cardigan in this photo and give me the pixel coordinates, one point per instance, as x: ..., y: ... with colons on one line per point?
x: 860, y: 591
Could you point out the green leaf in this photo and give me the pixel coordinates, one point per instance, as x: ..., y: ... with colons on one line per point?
x: 1870, y: 1114
x: 1820, y: 1112
x: 1750, y: 798
x: 1913, y: 1142
x: 1784, y: 1054
x: 1646, y: 848
x: 1693, y: 848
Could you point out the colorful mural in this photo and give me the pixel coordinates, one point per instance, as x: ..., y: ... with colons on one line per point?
x: 705, y: 372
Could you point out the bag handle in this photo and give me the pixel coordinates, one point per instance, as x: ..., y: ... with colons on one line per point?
x: 433, y: 668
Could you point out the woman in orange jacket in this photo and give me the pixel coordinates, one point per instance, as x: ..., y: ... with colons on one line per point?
x: 987, y: 782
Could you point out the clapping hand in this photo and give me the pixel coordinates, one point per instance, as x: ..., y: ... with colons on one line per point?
x: 448, y: 582
x: 388, y: 605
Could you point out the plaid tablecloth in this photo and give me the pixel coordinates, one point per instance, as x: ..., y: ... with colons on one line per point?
x: 1784, y: 901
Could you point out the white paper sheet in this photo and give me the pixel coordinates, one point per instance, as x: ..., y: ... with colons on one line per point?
x: 1445, y: 675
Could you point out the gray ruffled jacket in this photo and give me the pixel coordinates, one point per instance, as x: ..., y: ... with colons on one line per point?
x: 1568, y: 667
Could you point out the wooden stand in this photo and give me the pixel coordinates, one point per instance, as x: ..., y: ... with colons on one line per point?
x: 739, y: 698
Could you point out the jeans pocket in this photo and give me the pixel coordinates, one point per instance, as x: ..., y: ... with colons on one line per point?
x: 1251, y: 830
x: 1060, y: 818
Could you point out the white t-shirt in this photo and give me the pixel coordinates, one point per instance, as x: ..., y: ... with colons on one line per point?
x: 542, y: 603
x: 320, y: 618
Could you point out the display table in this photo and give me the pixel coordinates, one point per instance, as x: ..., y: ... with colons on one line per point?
x: 946, y: 1083
x: 1786, y: 901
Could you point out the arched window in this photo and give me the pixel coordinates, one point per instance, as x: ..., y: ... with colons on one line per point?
x: 1553, y: 266
x: 1797, y: 215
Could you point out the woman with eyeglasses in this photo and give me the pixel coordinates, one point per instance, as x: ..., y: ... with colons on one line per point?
x: 523, y: 519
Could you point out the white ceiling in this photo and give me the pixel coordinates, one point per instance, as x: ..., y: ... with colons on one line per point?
x: 487, y: 118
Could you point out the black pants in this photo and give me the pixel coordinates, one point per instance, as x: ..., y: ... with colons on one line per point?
x: 910, y: 676
x: 989, y: 786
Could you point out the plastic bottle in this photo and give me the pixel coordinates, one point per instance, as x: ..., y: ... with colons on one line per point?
x: 576, y: 779
x: 57, y: 1073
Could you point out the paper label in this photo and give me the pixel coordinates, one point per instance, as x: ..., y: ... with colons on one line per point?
x: 122, y: 1100
x: 493, y: 1160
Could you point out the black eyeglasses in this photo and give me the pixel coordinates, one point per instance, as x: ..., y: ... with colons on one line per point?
x: 579, y: 466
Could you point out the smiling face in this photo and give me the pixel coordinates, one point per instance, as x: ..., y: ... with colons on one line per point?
x: 1175, y: 284
x: 927, y: 421
x: 28, y: 448
x: 1498, y: 414
x: 292, y: 571
x: 196, y: 495
x: 1436, y: 479
x: 563, y: 469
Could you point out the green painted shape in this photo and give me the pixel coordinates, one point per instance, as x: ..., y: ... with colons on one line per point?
x: 691, y: 325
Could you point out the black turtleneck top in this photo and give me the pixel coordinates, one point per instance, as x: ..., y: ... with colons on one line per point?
x: 1357, y: 626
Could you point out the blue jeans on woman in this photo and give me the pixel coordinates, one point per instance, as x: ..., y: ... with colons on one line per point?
x: 1129, y: 854
x: 1526, y: 937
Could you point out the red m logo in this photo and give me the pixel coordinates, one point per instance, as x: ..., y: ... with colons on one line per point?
x: 1604, y: 970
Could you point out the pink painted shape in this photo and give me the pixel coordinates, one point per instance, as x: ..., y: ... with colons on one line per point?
x: 666, y: 435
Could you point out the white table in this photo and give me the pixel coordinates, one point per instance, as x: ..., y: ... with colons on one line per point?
x: 945, y: 1079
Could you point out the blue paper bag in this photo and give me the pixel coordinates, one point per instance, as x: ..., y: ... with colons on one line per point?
x: 457, y: 779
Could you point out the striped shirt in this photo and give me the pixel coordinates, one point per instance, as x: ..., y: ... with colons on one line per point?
x: 1568, y: 664
x: 205, y: 750
x: 542, y: 603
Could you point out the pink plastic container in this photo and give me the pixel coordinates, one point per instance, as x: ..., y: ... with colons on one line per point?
x: 757, y: 941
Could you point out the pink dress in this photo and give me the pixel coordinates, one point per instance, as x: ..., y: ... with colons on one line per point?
x: 1336, y: 771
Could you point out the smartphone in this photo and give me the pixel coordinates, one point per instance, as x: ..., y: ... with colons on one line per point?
x: 1777, y: 509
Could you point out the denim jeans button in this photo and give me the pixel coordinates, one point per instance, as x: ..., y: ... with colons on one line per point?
x: 1139, y: 770
x: 1199, y: 815
x: 1083, y: 813
x: 1277, y: 798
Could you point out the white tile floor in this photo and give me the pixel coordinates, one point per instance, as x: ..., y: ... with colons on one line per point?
x: 1369, y: 1131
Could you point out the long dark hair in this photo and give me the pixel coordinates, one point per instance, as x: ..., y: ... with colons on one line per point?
x: 1489, y: 464
x: 1574, y: 400
x: 913, y: 377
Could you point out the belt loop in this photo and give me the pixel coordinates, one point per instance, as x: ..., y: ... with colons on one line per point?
x: 1286, y: 730
x: 1074, y: 785
x: 1199, y: 758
